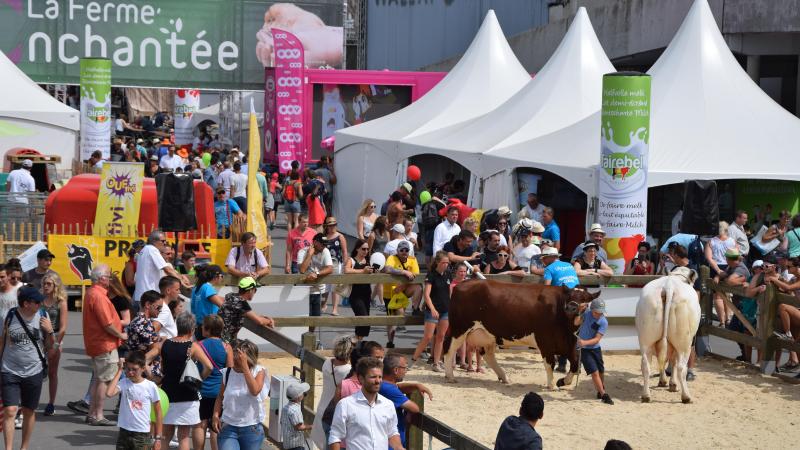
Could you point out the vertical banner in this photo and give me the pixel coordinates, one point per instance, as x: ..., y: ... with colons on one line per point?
x: 187, y: 102
x: 270, y: 152
x: 255, y: 199
x: 95, y: 107
x: 622, y: 174
x: 119, y: 199
x: 289, y: 73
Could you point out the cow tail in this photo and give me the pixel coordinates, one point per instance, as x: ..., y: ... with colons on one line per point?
x: 448, y: 338
x: 669, y: 292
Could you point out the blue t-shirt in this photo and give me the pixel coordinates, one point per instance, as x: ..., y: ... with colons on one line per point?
x: 591, y: 326
x: 552, y: 232
x: 215, y: 349
x: 223, y: 214
x: 396, y: 396
x: 681, y: 238
x: 561, y: 274
x: 201, y: 305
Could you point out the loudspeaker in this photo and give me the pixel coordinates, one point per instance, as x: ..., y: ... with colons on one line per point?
x: 175, y: 202
x: 700, y: 208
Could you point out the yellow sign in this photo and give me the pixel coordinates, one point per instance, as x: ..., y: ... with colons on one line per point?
x: 77, y: 254
x: 119, y: 199
x: 255, y: 201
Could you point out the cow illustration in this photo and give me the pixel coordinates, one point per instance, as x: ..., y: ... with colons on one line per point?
x: 80, y: 261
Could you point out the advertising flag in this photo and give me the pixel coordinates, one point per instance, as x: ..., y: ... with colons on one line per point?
x: 289, y: 75
x: 187, y: 102
x: 119, y: 199
x: 255, y: 200
x: 95, y: 107
x: 622, y: 173
x: 270, y: 155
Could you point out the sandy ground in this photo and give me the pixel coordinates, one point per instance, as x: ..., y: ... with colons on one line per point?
x: 734, y: 407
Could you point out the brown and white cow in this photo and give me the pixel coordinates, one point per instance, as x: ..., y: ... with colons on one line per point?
x: 486, y: 312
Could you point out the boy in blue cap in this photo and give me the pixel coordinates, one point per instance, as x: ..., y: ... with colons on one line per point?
x: 593, y: 325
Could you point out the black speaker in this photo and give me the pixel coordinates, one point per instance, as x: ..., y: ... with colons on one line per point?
x: 700, y: 208
x: 175, y: 202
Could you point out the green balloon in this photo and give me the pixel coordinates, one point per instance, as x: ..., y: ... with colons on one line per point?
x: 163, y: 402
x: 206, y: 159
x: 424, y: 197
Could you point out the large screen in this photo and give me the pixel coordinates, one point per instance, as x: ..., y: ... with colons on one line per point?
x: 338, y: 106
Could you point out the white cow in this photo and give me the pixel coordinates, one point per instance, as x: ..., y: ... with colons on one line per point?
x: 667, y: 315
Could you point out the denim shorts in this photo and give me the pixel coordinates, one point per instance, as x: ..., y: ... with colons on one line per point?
x: 292, y: 207
x: 592, y: 360
x: 429, y: 317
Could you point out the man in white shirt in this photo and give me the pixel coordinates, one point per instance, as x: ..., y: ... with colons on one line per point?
x: 396, y: 236
x: 533, y: 210
x: 318, y: 259
x: 149, y: 265
x: 224, y: 178
x: 526, y: 249
x: 736, y: 231
x: 21, y: 181
x: 366, y: 420
x: 171, y: 161
x: 446, y: 230
x: 238, y: 189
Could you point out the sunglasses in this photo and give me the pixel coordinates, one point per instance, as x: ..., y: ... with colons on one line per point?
x: 502, y: 223
x: 502, y: 255
x: 372, y: 206
x: 366, y: 249
x: 405, y: 250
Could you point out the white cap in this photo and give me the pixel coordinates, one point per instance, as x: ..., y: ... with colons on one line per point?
x: 504, y: 211
x: 758, y: 263
x: 27, y: 163
x: 398, y: 228
x: 295, y: 390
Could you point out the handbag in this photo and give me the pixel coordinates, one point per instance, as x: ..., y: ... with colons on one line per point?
x: 344, y: 290
x: 327, y: 416
x: 33, y: 341
x: 190, y: 377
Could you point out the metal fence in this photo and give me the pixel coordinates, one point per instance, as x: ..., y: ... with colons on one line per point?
x: 21, y: 221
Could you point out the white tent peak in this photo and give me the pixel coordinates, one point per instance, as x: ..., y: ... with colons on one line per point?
x: 487, y: 75
x: 23, y: 99
x: 704, y: 105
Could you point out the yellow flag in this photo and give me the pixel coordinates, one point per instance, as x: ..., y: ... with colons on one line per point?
x: 255, y: 201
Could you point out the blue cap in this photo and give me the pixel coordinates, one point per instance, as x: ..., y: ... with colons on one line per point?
x: 31, y: 294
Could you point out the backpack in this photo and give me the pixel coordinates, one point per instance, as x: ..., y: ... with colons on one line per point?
x: 289, y: 192
x: 697, y: 255
x: 430, y: 215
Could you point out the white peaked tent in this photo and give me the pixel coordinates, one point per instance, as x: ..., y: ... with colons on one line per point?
x: 40, y: 122
x: 487, y: 75
x: 709, y: 119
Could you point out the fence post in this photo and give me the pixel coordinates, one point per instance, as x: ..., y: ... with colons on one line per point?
x: 707, y: 299
x: 415, y: 433
x: 766, y: 325
x: 309, y: 343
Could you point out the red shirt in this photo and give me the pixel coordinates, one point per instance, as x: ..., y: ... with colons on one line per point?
x: 297, y: 241
x: 98, y: 312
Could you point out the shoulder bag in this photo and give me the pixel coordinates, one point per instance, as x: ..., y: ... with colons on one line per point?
x: 327, y: 416
x: 190, y: 377
x: 33, y: 341
x: 344, y: 290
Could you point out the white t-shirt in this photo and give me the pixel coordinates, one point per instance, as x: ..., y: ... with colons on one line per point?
x: 523, y: 255
x: 169, y: 329
x: 239, y: 407
x: 148, y: 271
x: 443, y: 233
x: 20, y: 180
x: 224, y: 180
x: 171, y: 162
x: 239, y: 185
x: 534, y: 213
x: 135, y: 404
x: 318, y: 262
x: 391, y: 247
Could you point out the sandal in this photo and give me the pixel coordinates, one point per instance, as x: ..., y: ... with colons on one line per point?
x: 470, y: 368
x: 789, y: 366
x: 463, y: 366
x: 480, y: 370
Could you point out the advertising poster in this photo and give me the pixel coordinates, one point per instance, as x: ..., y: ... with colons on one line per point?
x: 187, y: 102
x: 289, y: 99
x: 622, y: 173
x: 270, y: 149
x: 95, y: 107
x: 119, y: 199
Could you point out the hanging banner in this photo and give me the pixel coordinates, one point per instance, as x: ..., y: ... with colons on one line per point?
x: 289, y: 76
x: 187, y: 102
x: 622, y: 173
x: 119, y: 199
x: 95, y: 107
x: 270, y: 150
x: 255, y: 199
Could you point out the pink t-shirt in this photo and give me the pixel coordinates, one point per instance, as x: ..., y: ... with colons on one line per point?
x: 298, y: 241
x: 350, y: 386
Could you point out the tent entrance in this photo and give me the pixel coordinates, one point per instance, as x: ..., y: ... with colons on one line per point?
x: 434, y: 168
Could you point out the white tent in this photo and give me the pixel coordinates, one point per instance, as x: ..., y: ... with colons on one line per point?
x: 486, y: 76
x: 39, y: 121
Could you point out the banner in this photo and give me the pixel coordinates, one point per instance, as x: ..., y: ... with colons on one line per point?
x: 270, y: 150
x: 187, y: 102
x: 622, y: 173
x: 95, y: 107
x: 119, y: 199
x: 289, y: 80
x: 210, y: 44
x: 255, y: 199
x: 77, y: 254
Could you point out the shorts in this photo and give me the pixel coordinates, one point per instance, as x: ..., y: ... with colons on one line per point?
x: 105, y: 365
x: 207, y: 407
x: 133, y: 440
x: 183, y: 413
x: 738, y: 326
x: 592, y: 360
x: 269, y: 202
x: 22, y: 391
x: 429, y: 317
x: 292, y: 207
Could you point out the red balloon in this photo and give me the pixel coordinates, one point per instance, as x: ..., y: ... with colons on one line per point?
x: 413, y: 173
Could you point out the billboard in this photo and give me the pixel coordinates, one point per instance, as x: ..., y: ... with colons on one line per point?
x: 338, y: 106
x: 210, y: 44
x: 119, y: 199
x: 95, y: 78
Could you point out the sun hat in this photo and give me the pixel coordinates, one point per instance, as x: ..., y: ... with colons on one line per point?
x: 537, y: 227
x: 504, y: 211
x: 398, y: 228
x: 598, y: 305
x: 550, y: 251
x: 247, y: 283
x: 589, y: 244
x: 295, y: 390
x: 732, y: 253
x: 407, y: 187
x: 596, y: 228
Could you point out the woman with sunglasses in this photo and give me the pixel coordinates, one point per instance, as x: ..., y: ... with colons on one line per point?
x: 365, y: 219
x: 337, y: 246
x: 55, y: 303
x: 505, y: 232
x: 142, y: 335
x: 205, y: 299
x: 360, y: 293
x: 503, y: 264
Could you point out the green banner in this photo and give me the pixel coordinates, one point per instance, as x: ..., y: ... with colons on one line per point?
x: 95, y: 107
x: 209, y: 44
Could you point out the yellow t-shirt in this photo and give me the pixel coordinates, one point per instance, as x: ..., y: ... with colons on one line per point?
x: 393, y: 261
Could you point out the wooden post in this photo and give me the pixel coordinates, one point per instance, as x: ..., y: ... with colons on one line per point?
x: 415, y: 434
x: 766, y: 325
x: 706, y: 299
x: 309, y: 342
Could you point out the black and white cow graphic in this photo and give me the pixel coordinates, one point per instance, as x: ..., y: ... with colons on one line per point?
x: 80, y: 261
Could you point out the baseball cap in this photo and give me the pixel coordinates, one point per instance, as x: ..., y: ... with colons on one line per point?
x: 398, y: 228
x: 758, y: 263
x: 550, y: 251
x: 403, y: 245
x: 154, y: 158
x: 598, y: 305
x: 140, y: 141
x: 156, y: 141
x: 295, y: 390
x: 30, y: 293
x: 247, y: 283
x: 732, y: 253
x: 407, y: 187
x: 44, y: 254
x: 27, y: 163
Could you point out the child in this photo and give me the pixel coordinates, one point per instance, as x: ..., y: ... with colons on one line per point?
x: 138, y: 396
x: 292, y: 425
x: 593, y: 325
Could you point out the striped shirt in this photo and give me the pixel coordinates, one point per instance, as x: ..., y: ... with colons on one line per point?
x: 291, y: 416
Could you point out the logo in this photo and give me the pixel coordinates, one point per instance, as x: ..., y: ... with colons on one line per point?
x: 288, y: 53
x: 289, y: 137
x: 185, y: 111
x: 98, y: 114
x: 120, y: 185
x: 289, y: 109
x: 80, y: 261
x: 289, y: 82
x: 621, y: 165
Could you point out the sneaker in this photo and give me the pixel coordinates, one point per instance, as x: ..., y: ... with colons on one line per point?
x: 437, y: 368
x: 18, y: 422
x: 788, y: 367
x: 103, y: 422
x: 80, y: 406
x: 173, y: 443
x: 785, y: 336
x: 390, y: 344
x: 607, y: 399
x: 88, y: 419
x: 599, y: 396
x: 424, y: 355
x: 690, y: 376
x: 49, y: 410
